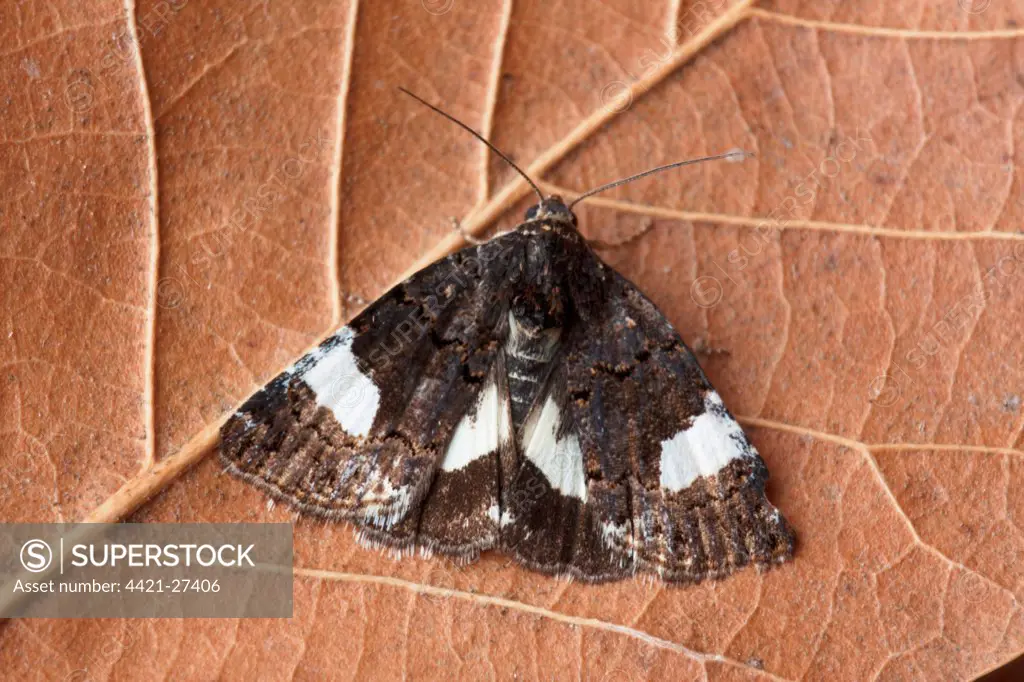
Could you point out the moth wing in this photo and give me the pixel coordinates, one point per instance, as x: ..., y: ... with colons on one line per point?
x: 549, y: 521
x: 642, y: 467
x: 360, y: 427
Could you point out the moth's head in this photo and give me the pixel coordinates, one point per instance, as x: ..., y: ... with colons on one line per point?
x: 553, y: 209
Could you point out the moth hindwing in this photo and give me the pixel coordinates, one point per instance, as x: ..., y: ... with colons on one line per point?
x: 519, y: 395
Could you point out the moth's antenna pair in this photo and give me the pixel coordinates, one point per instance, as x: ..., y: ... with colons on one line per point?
x: 736, y: 154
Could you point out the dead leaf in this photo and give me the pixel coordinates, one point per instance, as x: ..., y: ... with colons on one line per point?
x: 195, y: 191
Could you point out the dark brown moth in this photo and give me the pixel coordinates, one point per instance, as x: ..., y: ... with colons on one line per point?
x: 518, y: 395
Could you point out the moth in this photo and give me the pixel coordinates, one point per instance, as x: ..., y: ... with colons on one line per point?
x: 518, y: 395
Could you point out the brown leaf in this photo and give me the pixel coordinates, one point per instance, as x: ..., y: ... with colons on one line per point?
x: 196, y: 190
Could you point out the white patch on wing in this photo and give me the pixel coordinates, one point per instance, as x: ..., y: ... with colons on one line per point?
x: 382, y: 503
x: 614, y: 534
x: 340, y: 385
x: 616, y: 537
x: 389, y: 506
x: 704, y: 447
x: 560, y: 460
x: 481, y: 431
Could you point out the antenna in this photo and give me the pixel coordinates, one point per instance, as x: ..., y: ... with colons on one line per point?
x: 477, y: 136
x: 735, y: 154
